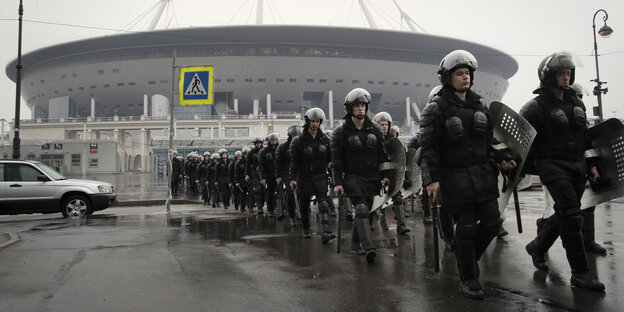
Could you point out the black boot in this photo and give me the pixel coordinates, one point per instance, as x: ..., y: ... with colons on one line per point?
x: 469, y: 285
x: 536, y: 256
x: 589, y: 233
x: 586, y: 281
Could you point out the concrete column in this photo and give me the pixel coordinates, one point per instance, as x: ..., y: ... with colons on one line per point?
x: 236, y: 106
x: 148, y: 149
x: 145, y: 105
x: 220, y: 130
x: 144, y: 150
x: 330, y: 98
x: 92, y: 107
x: 256, y: 104
x: 115, y: 134
x: 84, y: 132
x: 268, y: 103
x: 2, y: 137
x: 89, y: 134
x: 98, y: 135
x: 196, y: 132
x: 408, y: 123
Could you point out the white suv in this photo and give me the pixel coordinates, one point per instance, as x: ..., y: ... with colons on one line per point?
x: 33, y: 187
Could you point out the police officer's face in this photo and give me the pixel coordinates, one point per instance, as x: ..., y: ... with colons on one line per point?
x: 359, y: 109
x: 563, y: 78
x: 258, y: 144
x: 207, y: 158
x: 224, y: 155
x: 460, y: 79
x: 315, y: 124
x: 384, y: 126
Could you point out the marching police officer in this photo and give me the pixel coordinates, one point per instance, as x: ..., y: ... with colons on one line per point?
x: 236, y: 192
x: 252, y: 177
x: 266, y: 171
x: 176, y: 172
x: 310, y: 157
x: 557, y: 155
x: 285, y: 192
x: 202, y: 175
x: 357, y: 152
x: 457, y: 142
x: 222, y: 178
x: 212, y: 178
x: 384, y: 120
x: 240, y: 182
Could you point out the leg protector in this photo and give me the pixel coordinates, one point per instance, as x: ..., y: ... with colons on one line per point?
x: 465, y: 251
x: 485, y: 233
x: 323, y: 208
x: 399, y: 213
x: 362, y: 226
x: 572, y: 240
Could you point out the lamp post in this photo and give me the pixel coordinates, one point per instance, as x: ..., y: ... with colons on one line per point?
x: 18, y: 86
x: 604, y: 31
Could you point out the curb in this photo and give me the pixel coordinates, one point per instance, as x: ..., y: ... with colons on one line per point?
x: 13, y: 238
x: 155, y: 202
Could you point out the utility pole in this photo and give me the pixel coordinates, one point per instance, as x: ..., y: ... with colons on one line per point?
x: 18, y: 86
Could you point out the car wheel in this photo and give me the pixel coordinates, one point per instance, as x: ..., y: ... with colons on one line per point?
x: 76, y: 206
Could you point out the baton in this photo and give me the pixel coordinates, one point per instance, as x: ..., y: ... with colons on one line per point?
x: 297, y: 212
x: 517, y: 204
x: 436, y: 248
x: 339, y: 221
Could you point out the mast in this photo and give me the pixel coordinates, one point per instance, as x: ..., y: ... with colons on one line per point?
x: 259, y: 13
x: 408, y: 20
x: 369, y: 17
x: 161, y: 9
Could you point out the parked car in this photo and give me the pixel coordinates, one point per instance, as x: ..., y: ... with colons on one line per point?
x: 33, y: 187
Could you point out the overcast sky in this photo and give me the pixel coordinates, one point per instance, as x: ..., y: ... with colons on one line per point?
x: 528, y: 30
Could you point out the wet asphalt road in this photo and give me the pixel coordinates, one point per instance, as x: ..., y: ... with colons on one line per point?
x: 206, y: 259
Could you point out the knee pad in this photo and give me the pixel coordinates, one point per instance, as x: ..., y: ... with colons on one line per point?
x: 361, y: 211
x: 571, y: 224
x: 492, y: 228
x: 323, y: 206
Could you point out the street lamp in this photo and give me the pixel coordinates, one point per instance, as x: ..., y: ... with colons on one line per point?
x: 18, y: 86
x: 604, y: 31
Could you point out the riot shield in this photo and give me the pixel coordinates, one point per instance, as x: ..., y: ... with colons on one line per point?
x: 515, y: 131
x: 412, y: 174
x: 608, y: 141
x: 396, y: 154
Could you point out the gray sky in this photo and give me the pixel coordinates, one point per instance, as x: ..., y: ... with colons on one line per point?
x: 528, y: 30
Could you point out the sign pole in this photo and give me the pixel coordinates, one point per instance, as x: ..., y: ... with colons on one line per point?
x: 169, y: 168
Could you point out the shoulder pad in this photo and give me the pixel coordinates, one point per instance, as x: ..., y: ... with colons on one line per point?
x: 427, y: 116
x: 531, y: 109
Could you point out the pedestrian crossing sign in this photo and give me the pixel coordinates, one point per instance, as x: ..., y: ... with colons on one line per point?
x: 196, y: 85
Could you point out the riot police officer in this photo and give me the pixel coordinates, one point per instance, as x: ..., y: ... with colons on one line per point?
x: 266, y: 171
x: 457, y: 142
x: 202, y: 175
x: 251, y: 176
x: 310, y: 156
x: 357, y: 151
x: 212, y: 178
x: 236, y: 192
x: 285, y: 195
x: 222, y: 178
x: 384, y: 120
x: 557, y: 155
x: 176, y: 172
x: 240, y: 182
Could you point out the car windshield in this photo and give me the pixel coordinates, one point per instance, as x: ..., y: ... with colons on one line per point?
x: 50, y: 171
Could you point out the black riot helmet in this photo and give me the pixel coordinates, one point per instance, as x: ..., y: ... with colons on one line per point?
x: 578, y: 89
x: 314, y: 113
x: 550, y: 65
x: 356, y: 96
x: 455, y: 60
x: 294, y: 131
x: 383, y: 116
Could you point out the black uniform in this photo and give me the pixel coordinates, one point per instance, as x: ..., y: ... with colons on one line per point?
x: 266, y: 172
x: 309, y: 160
x: 202, y: 176
x: 191, y: 169
x: 255, y: 189
x: 397, y: 201
x: 211, y: 178
x: 557, y: 155
x: 222, y: 181
x: 176, y: 174
x: 236, y: 193
x: 456, y: 139
x: 241, y: 184
x: 356, y: 154
x: 284, y: 192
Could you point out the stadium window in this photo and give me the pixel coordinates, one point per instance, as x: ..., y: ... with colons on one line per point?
x: 217, y: 80
x: 164, y: 82
x: 230, y: 80
x: 322, y: 80
x: 292, y: 80
x: 100, y: 72
x: 309, y: 80
x: 406, y: 83
x: 63, y: 76
x: 106, y: 85
x: 338, y: 80
x: 355, y: 81
x: 382, y: 82
x: 261, y: 79
x: 121, y: 84
x: 248, y: 80
x: 115, y: 70
x: 419, y: 84
x: 75, y: 75
x: 290, y: 101
x: 279, y: 79
x: 70, y: 89
x: 42, y: 81
x: 278, y: 101
x: 131, y: 83
x: 151, y: 82
x: 395, y: 83
x: 92, y: 87
x: 371, y: 82
x: 81, y: 88
x: 427, y: 85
